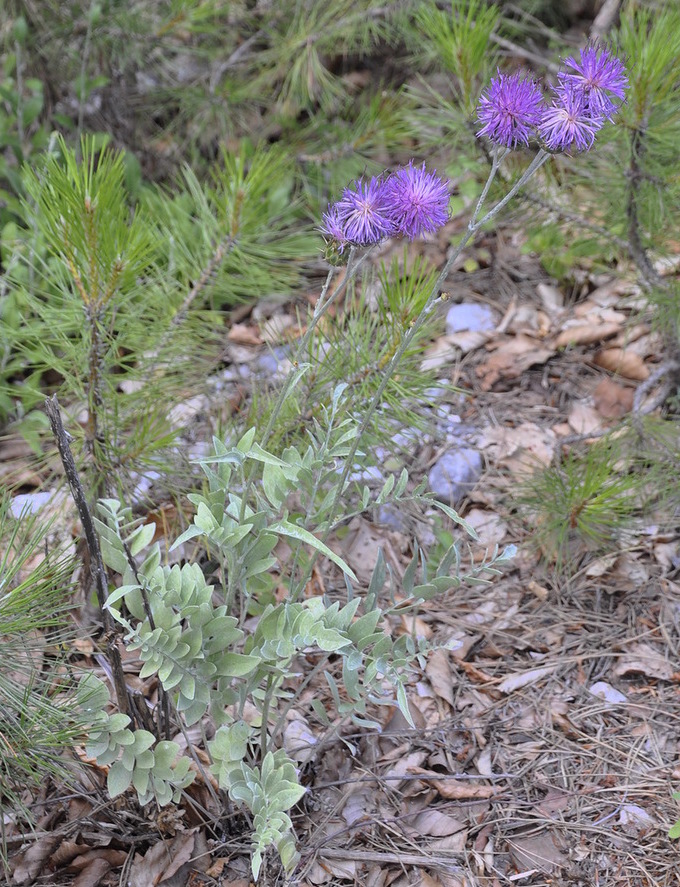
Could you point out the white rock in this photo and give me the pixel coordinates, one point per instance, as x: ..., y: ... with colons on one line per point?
x: 606, y: 692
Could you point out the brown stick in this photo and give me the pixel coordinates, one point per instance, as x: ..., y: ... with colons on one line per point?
x: 97, y: 571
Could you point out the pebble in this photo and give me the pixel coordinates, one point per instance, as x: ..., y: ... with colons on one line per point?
x: 389, y: 515
x: 28, y: 503
x: 606, y: 692
x: 275, y: 362
x: 470, y: 316
x: 455, y: 473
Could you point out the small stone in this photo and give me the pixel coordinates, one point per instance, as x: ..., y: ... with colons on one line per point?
x: 455, y: 473
x: 409, y: 438
x: 455, y: 433
x: 469, y: 316
x: 607, y: 693
x: 275, y: 362
x: 365, y: 474
x: 390, y: 516
x: 635, y: 818
x: 28, y: 503
x: 143, y: 485
x: 435, y: 392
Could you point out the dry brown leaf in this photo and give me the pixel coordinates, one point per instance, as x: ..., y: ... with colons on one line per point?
x: 666, y: 554
x: 92, y: 874
x: 629, y: 335
x: 540, y: 591
x: 538, y: 851
x: 450, y: 843
x: 451, y: 879
x: 630, y: 569
x: 554, y: 802
x: 483, y: 762
x: 244, y: 334
x: 358, y: 805
x: 525, y: 319
x: 474, y: 673
x: 438, y: 670
x: 624, y: 362
x: 551, y: 297
x: 216, y: 869
x: 457, y: 790
x: 459, y: 643
x: 525, y: 678
x: 609, y: 293
x: 66, y: 852
x: 586, y: 334
x: 415, y: 625
x: 437, y: 824
x: 522, y: 449
x: 298, y: 739
x: 405, y: 766
x: 273, y: 329
x: 162, y: 860
x: 440, y: 353
x: 345, y: 869
x: 468, y: 340
x: 612, y: 400
x: 428, y: 881
x: 607, y: 693
x: 644, y: 659
x: 317, y: 874
x: 361, y: 545
x: 490, y: 527
x: 31, y: 862
x: 600, y: 566
x: 511, y: 357
x: 377, y: 874
x: 584, y: 419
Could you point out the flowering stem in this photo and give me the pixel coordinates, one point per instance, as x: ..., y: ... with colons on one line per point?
x: 496, y: 161
x: 322, y: 305
x: 535, y: 165
x: 473, y: 226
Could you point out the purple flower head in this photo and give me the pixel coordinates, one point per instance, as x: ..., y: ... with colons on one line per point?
x: 333, y: 228
x: 362, y: 212
x: 569, y: 122
x: 418, y: 201
x: 599, y: 75
x: 510, y: 109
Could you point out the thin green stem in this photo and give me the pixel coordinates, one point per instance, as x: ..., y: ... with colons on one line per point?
x: 264, y: 734
x: 323, y: 304
x: 496, y: 160
x: 474, y: 225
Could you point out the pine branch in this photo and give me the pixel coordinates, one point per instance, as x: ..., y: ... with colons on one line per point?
x: 97, y: 570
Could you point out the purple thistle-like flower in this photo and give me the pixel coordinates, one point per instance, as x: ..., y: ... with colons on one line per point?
x: 362, y: 212
x: 418, y: 201
x: 510, y: 109
x: 569, y: 121
x: 597, y: 74
x: 333, y: 228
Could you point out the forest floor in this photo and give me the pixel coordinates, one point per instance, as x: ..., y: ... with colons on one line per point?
x: 547, y: 719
